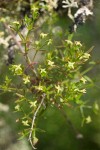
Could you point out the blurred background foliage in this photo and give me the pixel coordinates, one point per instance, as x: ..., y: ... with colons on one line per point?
x: 59, y: 134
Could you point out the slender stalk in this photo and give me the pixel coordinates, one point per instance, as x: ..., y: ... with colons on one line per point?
x: 35, y: 54
x: 26, y: 55
x: 14, y: 38
x: 33, y: 120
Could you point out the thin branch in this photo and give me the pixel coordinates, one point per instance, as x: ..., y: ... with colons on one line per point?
x: 33, y: 120
x: 19, y: 46
x: 14, y: 37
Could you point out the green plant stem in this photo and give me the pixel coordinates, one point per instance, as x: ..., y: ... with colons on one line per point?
x: 35, y: 54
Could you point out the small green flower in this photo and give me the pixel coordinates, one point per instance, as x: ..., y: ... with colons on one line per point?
x: 43, y: 35
x: 83, y: 80
x: 78, y: 43
x: 71, y: 65
x: 49, y: 42
x: 86, y: 56
x: 50, y: 63
x: 17, y: 107
x: 34, y: 8
x: 16, y: 69
x: 59, y: 88
x: 25, y: 123
x: 33, y: 104
x: 39, y: 87
x: 82, y: 91
x: 26, y: 79
x: 43, y: 72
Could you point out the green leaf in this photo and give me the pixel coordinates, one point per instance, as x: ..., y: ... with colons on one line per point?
x: 96, y: 108
x: 28, y: 22
x: 23, y: 135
